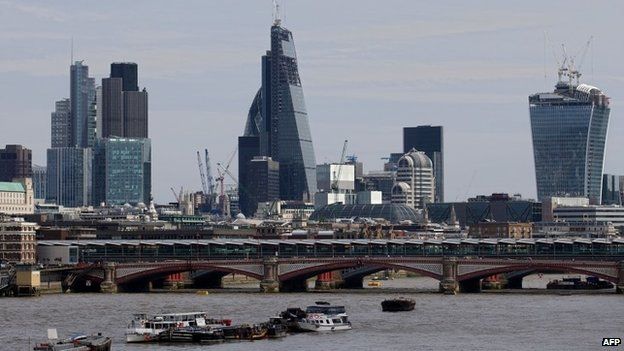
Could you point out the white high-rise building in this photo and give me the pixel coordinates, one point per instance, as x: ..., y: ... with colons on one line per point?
x: 414, y: 184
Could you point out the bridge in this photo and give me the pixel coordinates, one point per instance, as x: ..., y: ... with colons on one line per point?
x: 285, y: 265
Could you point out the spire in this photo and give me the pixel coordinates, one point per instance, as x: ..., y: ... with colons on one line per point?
x: 277, y: 18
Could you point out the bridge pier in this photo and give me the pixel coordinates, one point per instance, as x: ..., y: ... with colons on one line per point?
x: 108, y: 285
x: 619, y: 287
x: 270, y: 281
x: 449, y: 284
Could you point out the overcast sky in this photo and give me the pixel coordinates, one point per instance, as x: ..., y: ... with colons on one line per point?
x: 368, y: 68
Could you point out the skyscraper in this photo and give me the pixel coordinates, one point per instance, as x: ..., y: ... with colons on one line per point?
x: 15, y: 162
x: 39, y: 179
x: 122, y: 171
x: 124, y: 107
x: 414, y: 185
x: 263, y: 182
x: 279, y: 118
x: 430, y: 140
x: 611, y: 191
x: 82, y: 101
x: 61, y: 131
x: 569, y: 128
x: 69, y: 176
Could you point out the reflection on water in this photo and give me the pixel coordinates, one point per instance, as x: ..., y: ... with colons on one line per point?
x: 463, y: 322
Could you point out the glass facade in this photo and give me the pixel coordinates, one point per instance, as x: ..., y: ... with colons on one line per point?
x: 69, y: 176
x: 82, y: 100
x: 121, y: 171
x: 278, y: 116
x: 394, y: 213
x: 569, y: 129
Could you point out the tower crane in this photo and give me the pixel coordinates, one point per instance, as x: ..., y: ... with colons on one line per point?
x: 202, y: 175
x: 223, y: 201
x: 334, y: 184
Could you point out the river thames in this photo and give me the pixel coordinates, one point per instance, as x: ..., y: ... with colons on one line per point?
x: 486, y: 321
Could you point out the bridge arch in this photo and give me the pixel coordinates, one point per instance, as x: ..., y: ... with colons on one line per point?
x: 530, y: 268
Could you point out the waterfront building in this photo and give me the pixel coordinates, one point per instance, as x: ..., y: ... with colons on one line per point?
x: 69, y: 176
x: 495, y: 207
x: 122, y: 171
x: 279, y: 119
x: 549, y: 204
x: 561, y: 229
x: 61, y: 131
x: 39, y: 178
x: 430, y: 140
x: 124, y: 108
x: 16, y: 197
x: 611, y: 191
x: 15, y: 162
x: 501, y: 230
x: 17, y: 241
x: 569, y: 129
x: 414, y: 184
x: 591, y: 214
x: 82, y: 106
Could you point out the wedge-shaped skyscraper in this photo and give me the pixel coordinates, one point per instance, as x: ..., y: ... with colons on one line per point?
x: 569, y: 128
x: 279, y: 120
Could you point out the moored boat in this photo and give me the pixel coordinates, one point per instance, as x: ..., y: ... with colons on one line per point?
x: 324, y: 317
x: 398, y: 305
x: 148, y: 328
x: 75, y: 343
x: 590, y: 283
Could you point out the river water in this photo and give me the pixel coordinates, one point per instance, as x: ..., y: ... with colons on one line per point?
x: 462, y: 322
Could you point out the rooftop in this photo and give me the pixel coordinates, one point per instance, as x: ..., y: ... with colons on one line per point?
x: 12, y: 187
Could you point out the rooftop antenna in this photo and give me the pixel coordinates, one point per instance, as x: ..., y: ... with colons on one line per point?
x: 71, y: 57
x: 277, y: 20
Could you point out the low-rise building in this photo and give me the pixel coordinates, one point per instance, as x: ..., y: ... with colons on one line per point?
x: 17, y: 241
x: 501, y: 230
x: 563, y: 229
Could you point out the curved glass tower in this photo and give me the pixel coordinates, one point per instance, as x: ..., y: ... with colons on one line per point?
x: 278, y: 118
x: 569, y: 128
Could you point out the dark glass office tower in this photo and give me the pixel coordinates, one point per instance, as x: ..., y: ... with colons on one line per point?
x: 278, y: 115
x: 569, y: 129
x: 128, y: 72
x: 430, y: 140
x: 15, y: 162
x: 611, y: 191
x: 82, y: 100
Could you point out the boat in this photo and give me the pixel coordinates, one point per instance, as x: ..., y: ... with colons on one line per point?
x: 245, y: 332
x: 76, y: 342
x: 320, y: 318
x: 277, y: 327
x: 375, y: 284
x: 398, y: 305
x: 148, y: 328
x: 590, y: 283
x: 193, y: 334
x: 290, y: 318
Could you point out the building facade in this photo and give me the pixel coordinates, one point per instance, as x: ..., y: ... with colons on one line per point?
x: 430, y: 140
x: 414, y: 185
x: 15, y: 162
x: 82, y: 106
x: 17, y: 241
x: 591, y: 214
x: 122, y: 171
x: 380, y: 181
x: 263, y: 182
x: 278, y: 117
x: 61, y: 131
x: 124, y: 108
x: 569, y: 129
x: 39, y: 182
x: 69, y: 176
x: 16, y: 198
x: 501, y: 230
x: 611, y: 191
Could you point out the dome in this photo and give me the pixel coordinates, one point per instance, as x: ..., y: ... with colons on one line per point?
x: 394, y: 213
x: 400, y: 188
x: 415, y: 159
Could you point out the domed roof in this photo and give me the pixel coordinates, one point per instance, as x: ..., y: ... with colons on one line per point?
x: 400, y: 187
x: 415, y: 159
x: 394, y: 213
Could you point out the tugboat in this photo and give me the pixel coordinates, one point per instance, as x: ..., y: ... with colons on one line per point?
x: 75, y: 343
x: 398, y: 305
x: 324, y: 317
x: 590, y: 283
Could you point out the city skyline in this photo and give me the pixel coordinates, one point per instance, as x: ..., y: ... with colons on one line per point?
x: 348, y: 86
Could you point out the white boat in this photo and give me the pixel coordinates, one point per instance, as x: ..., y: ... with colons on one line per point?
x: 323, y: 317
x: 147, y: 328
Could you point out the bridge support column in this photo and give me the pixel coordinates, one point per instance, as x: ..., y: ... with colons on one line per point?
x: 108, y: 285
x: 270, y: 281
x: 619, y: 288
x: 449, y: 284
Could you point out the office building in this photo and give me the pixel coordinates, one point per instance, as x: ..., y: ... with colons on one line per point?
x: 279, y: 118
x: 380, y: 181
x: 263, y: 182
x: 591, y: 214
x: 430, y: 140
x: 61, y: 131
x: 15, y: 162
x: 124, y: 108
x: 17, y: 241
x: 501, y: 230
x: 414, y: 184
x: 69, y: 176
x: 39, y: 179
x: 248, y: 148
x: 611, y: 191
x: 82, y: 106
x: 549, y: 204
x: 16, y: 197
x: 122, y: 171
x: 335, y: 177
x: 569, y: 130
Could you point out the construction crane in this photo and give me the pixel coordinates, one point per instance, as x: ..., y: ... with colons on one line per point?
x: 202, y: 175
x: 209, y: 180
x: 223, y: 201
x: 177, y: 196
x: 334, y: 185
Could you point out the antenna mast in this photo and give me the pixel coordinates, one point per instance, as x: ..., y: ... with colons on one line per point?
x: 277, y: 20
